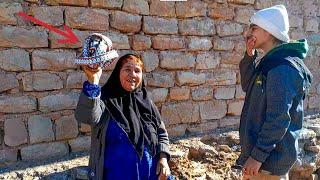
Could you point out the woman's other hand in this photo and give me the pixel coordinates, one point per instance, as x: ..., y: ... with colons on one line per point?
x: 163, y: 169
x: 93, y: 73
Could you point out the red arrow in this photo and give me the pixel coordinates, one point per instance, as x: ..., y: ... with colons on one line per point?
x: 70, y: 37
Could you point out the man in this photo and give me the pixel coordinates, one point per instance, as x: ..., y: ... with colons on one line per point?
x: 275, y: 88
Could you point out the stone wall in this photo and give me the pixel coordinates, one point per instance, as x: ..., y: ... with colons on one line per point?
x: 191, y: 52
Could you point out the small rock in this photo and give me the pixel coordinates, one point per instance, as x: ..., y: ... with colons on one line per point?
x: 213, y: 176
x: 315, y: 128
x: 225, y: 148
x: 314, y: 149
x: 307, y: 134
x: 199, y: 150
x: 233, y: 137
x: 304, y: 171
x: 80, y: 172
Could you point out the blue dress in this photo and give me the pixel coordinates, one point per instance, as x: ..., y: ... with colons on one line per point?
x: 121, y: 159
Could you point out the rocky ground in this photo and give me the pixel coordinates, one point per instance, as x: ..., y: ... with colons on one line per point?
x: 199, y: 157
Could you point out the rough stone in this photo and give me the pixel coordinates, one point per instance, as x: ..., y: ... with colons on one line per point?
x: 235, y: 108
x: 150, y: 61
x: 314, y: 102
x: 179, y: 93
x: 163, y: 42
x: 162, y: 8
x: 20, y: 37
x: 41, y: 81
x: 159, y: 95
x: 67, y: 2
x: 190, y: 78
x: 17, y: 104
x: 184, y: 112
x: 229, y: 29
x: 303, y: 171
x: 241, y: 1
x: 178, y: 130
x: 80, y: 144
x: 76, y: 79
x: 306, y: 134
x: 8, y: 156
x: 222, y: 44
x: 55, y: 60
x: 66, y: 127
x: 40, y: 129
x: 52, y: 15
x: 199, y: 149
x: 243, y: 15
x: 14, y: 60
x: 310, y: 9
x: 84, y: 128
x: 229, y: 121
x: 8, y: 81
x: 233, y: 58
x: 197, y: 27
x: 8, y: 11
x: 109, y: 4
x: 136, y: 6
x: 207, y: 60
x: 222, y: 78
x: 140, y: 42
x: 85, y: 18
x: 221, y: 11
x: 297, y: 34
x: 312, y: 25
x: 125, y: 22
x: 176, y: 60
x: 119, y: 41
x: 240, y: 94
x: 204, y: 127
x: 154, y: 25
x: 58, y: 102
x: 54, y: 37
x: 161, y: 79
x: 313, y: 149
x: 261, y: 4
x: 296, y: 21
x: 212, y: 109
x: 15, y: 132
x: 202, y: 93
x: 225, y: 92
x: 191, y: 8
x: 42, y: 151
x: 199, y: 44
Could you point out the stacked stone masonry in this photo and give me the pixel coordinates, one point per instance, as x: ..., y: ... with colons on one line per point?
x: 191, y: 52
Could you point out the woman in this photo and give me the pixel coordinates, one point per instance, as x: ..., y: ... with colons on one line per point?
x: 129, y: 139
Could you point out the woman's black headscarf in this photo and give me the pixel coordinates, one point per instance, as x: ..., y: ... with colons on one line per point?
x: 134, y: 111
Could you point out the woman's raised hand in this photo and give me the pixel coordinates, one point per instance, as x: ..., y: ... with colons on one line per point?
x: 93, y: 73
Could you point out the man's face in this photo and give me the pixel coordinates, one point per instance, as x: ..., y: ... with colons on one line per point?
x: 261, y: 36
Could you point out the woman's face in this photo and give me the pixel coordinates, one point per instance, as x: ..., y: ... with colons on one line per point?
x: 130, y: 75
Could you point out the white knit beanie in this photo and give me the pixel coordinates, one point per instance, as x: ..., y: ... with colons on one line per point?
x: 274, y: 20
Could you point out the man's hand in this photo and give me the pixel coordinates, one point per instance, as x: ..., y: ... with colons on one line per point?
x: 250, y: 43
x: 251, y: 167
x: 163, y: 169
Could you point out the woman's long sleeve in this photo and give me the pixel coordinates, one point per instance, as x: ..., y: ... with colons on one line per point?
x: 90, y: 107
